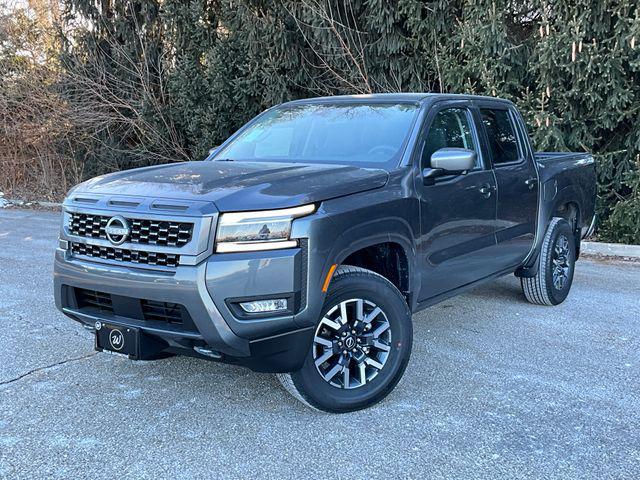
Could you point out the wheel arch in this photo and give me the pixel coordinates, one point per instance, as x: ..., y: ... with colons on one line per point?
x: 390, y: 252
x: 388, y: 259
x: 564, y: 203
x: 567, y: 205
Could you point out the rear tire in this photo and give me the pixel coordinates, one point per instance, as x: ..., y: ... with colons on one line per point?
x: 355, y: 363
x: 556, y: 265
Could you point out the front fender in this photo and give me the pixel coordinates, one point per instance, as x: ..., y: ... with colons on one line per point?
x: 370, y: 223
x: 382, y: 230
x: 347, y: 224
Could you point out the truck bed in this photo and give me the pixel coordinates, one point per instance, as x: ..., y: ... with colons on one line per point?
x: 571, y: 175
x: 555, y: 156
x: 552, y: 164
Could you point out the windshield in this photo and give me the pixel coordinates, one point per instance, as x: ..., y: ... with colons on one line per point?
x: 352, y: 134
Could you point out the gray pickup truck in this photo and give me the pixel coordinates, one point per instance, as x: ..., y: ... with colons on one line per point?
x: 303, y: 244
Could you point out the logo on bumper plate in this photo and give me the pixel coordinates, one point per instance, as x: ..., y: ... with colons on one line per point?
x: 117, y: 230
x: 116, y: 339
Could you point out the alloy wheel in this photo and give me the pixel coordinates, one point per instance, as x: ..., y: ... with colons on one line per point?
x: 352, y: 343
x: 560, y: 262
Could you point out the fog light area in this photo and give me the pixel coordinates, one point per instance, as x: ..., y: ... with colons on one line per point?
x: 264, y: 306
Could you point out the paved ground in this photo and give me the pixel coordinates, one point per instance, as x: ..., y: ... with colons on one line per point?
x: 495, y: 388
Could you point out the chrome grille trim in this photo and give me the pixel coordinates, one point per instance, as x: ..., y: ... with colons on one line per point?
x: 200, y: 216
x: 125, y: 255
x: 169, y: 233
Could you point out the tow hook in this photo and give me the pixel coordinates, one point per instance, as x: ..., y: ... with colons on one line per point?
x: 207, y: 352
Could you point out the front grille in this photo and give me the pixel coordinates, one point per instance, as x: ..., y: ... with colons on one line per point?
x: 125, y: 255
x: 146, y: 232
x: 140, y: 309
x: 163, y: 311
x: 93, y: 299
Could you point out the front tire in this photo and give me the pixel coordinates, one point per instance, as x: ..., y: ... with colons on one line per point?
x: 356, y: 361
x: 556, y: 265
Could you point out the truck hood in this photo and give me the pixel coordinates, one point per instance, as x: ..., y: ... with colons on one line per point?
x: 239, y: 186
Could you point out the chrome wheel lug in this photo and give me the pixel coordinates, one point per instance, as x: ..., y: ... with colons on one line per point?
x: 339, y: 344
x: 353, y: 331
x: 354, y: 350
x: 344, y: 352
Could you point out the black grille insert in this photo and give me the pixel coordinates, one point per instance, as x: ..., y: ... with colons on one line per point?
x: 163, y: 311
x: 125, y: 255
x: 140, y: 309
x: 93, y: 299
x: 146, y: 232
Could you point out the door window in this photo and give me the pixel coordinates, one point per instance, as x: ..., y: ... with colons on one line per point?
x: 451, y: 128
x: 502, y: 138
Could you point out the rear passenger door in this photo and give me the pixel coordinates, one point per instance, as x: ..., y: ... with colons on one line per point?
x: 517, y: 181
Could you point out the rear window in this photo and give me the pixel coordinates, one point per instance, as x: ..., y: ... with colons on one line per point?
x: 502, y: 138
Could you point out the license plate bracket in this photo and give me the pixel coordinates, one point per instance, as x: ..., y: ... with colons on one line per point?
x: 118, y: 339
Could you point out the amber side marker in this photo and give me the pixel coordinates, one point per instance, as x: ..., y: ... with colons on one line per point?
x: 327, y: 280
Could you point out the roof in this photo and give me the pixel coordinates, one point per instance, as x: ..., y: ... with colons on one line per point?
x: 394, y: 97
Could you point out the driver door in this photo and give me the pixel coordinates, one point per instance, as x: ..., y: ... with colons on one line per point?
x: 457, y: 212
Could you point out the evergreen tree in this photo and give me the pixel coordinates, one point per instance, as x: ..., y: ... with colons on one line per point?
x: 208, y: 66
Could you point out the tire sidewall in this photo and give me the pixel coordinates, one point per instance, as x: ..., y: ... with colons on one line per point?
x: 378, y: 290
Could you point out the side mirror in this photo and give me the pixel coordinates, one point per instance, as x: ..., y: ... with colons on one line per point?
x: 453, y: 160
x: 449, y: 161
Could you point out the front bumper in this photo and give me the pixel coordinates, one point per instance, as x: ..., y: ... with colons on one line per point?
x: 272, y: 344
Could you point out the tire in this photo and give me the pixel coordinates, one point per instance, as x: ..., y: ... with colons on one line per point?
x: 552, y: 282
x: 380, y: 347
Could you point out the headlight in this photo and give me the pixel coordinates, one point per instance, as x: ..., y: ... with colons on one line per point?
x: 262, y: 230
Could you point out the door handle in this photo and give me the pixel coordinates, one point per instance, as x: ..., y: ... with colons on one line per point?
x: 487, y: 190
x: 531, y: 182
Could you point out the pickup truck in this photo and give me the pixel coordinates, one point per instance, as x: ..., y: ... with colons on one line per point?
x: 305, y: 242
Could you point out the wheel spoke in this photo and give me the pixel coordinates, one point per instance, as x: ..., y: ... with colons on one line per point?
x: 369, y: 318
x: 345, y: 377
x: 380, y: 330
x: 362, y: 370
x: 333, y: 372
x: 323, y: 341
x: 343, y: 313
x: 373, y: 363
x: 324, y: 357
x: 331, y: 324
x: 360, y: 310
x: 381, y: 346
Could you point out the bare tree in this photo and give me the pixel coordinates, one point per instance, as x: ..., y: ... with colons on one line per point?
x: 35, y: 125
x: 115, y: 94
x: 337, y: 47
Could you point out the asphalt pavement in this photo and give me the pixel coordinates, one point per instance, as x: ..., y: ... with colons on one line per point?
x: 496, y: 388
